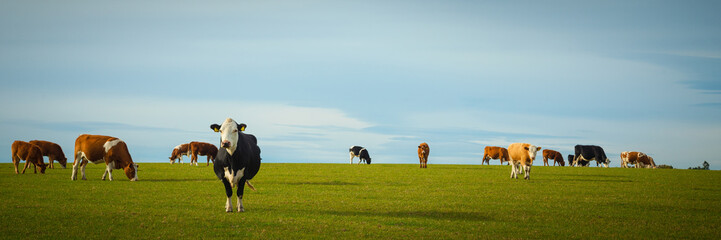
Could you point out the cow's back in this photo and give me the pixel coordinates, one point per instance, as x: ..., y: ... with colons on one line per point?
x: 50, y: 149
x: 26, y: 151
x: 92, y: 146
x: 517, y: 152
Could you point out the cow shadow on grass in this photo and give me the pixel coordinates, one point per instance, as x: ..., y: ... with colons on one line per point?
x: 424, y: 214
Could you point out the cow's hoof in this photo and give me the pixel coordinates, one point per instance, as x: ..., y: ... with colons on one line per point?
x: 241, y: 209
x: 229, y: 210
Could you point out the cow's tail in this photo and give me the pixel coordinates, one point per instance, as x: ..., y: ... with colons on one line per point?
x: 250, y: 185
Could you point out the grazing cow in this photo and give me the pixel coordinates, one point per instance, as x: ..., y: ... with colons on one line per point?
x: 202, y: 148
x: 178, y: 152
x: 237, y: 161
x: 361, y: 153
x: 423, y: 151
x: 31, y: 153
x: 646, y: 162
x: 53, y: 151
x: 522, y: 154
x: 551, y: 154
x: 490, y: 152
x: 638, y: 159
x: 589, y: 153
x: 97, y: 149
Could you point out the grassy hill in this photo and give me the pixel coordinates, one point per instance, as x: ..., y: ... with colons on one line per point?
x: 390, y: 201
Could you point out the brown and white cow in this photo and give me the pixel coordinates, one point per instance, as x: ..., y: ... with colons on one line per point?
x: 202, y: 148
x: 423, y: 151
x: 97, y: 149
x: 31, y: 153
x: 522, y: 155
x: 490, y: 152
x: 638, y: 159
x: 53, y: 151
x: 178, y: 152
x: 551, y: 154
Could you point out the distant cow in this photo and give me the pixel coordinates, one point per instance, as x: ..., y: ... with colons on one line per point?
x: 423, y: 151
x: 361, y: 153
x: 490, y: 152
x: 551, y: 154
x: 589, y: 153
x: 522, y: 155
x: 97, y: 149
x: 178, y: 152
x: 31, y: 153
x: 202, y: 148
x: 53, y: 151
x: 237, y: 161
x: 639, y: 160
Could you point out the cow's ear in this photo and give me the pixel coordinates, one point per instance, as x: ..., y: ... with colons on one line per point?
x: 242, y: 127
x: 525, y: 148
x: 215, y: 127
x: 539, y: 148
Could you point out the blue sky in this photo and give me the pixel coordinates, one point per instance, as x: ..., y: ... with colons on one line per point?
x: 311, y: 78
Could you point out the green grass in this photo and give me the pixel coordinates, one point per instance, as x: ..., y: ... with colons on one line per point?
x: 380, y: 201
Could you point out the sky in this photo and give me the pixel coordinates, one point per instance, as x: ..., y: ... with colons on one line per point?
x: 312, y: 78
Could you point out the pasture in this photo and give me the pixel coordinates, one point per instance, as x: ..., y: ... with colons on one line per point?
x: 380, y: 201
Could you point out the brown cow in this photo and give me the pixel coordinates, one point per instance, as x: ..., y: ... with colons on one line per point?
x: 202, y: 148
x: 178, y: 152
x: 53, y: 151
x: 522, y: 154
x: 551, y: 154
x: 638, y: 159
x: 646, y: 162
x: 490, y: 152
x: 423, y: 151
x: 31, y: 153
x: 96, y: 149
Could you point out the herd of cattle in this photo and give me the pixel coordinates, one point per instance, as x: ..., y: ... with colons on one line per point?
x: 238, y: 159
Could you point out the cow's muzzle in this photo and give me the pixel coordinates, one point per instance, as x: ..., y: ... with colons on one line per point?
x: 225, y: 144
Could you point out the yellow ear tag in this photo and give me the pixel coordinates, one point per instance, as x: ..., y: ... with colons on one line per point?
x: 242, y: 129
x: 216, y: 129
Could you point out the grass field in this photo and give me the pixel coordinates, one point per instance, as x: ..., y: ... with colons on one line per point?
x: 378, y: 201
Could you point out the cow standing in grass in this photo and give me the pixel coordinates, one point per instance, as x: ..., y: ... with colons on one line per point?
x: 551, y: 154
x: 178, y: 152
x: 237, y: 161
x: 202, y: 148
x: 491, y: 152
x: 97, y: 149
x: 53, y: 151
x: 31, y: 153
x: 423, y: 151
x: 521, y: 157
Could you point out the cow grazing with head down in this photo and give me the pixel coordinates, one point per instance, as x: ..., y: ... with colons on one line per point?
x: 522, y: 155
x: 423, y: 151
x: 53, y: 151
x: 589, y: 153
x: 178, y: 152
x: 490, y: 152
x: 551, y: 154
x: 638, y: 159
x: 202, y: 148
x: 31, y: 153
x: 361, y: 153
x: 96, y: 149
x: 237, y: 161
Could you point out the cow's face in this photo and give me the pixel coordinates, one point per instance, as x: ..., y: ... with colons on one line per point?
x: 63, y: 161
x: 42, y: 167
x: 131, y: 171
x: 229, y: 134
x: 532, y: 151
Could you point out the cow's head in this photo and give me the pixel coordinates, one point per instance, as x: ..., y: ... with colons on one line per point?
x: 131, y: 171
x: 229, y: 134
x: 532, y: 151
x: 63, y: 161
x: 42, y: 167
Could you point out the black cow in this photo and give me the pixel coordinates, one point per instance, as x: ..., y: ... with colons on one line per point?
x: 361, y: 153
x: 590, y: 152
x: 581, y: 162
x: 237, y: 161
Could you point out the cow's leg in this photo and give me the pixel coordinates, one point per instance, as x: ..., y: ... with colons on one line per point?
x: 109, y: 171
x: 27, y: 163
x: 351, y: 158
x: 82, y: 168
x: 528, y: 172
x: 228, y: 193
x: 239, y: 195
x: 207, y: 163
x: 16, y: 161
x: 513, y: 170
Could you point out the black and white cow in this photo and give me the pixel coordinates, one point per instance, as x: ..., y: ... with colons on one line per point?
x: 237, y: 161
x: 588, y: 153
x: 361, y: 153
x: 582, y: 163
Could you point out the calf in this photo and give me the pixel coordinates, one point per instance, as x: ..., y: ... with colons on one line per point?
x: 522, y: 154
x: 551, y: 154
x: 589, y: 153
x: 53, y: 151
x: 490, y: 152
x: 178, y: 152
x: 97, y: 149
x: 423, y: 151
x: 202, y: 148
x: 361, y: 153
x: 31, y: 153
x: 237, y: 161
